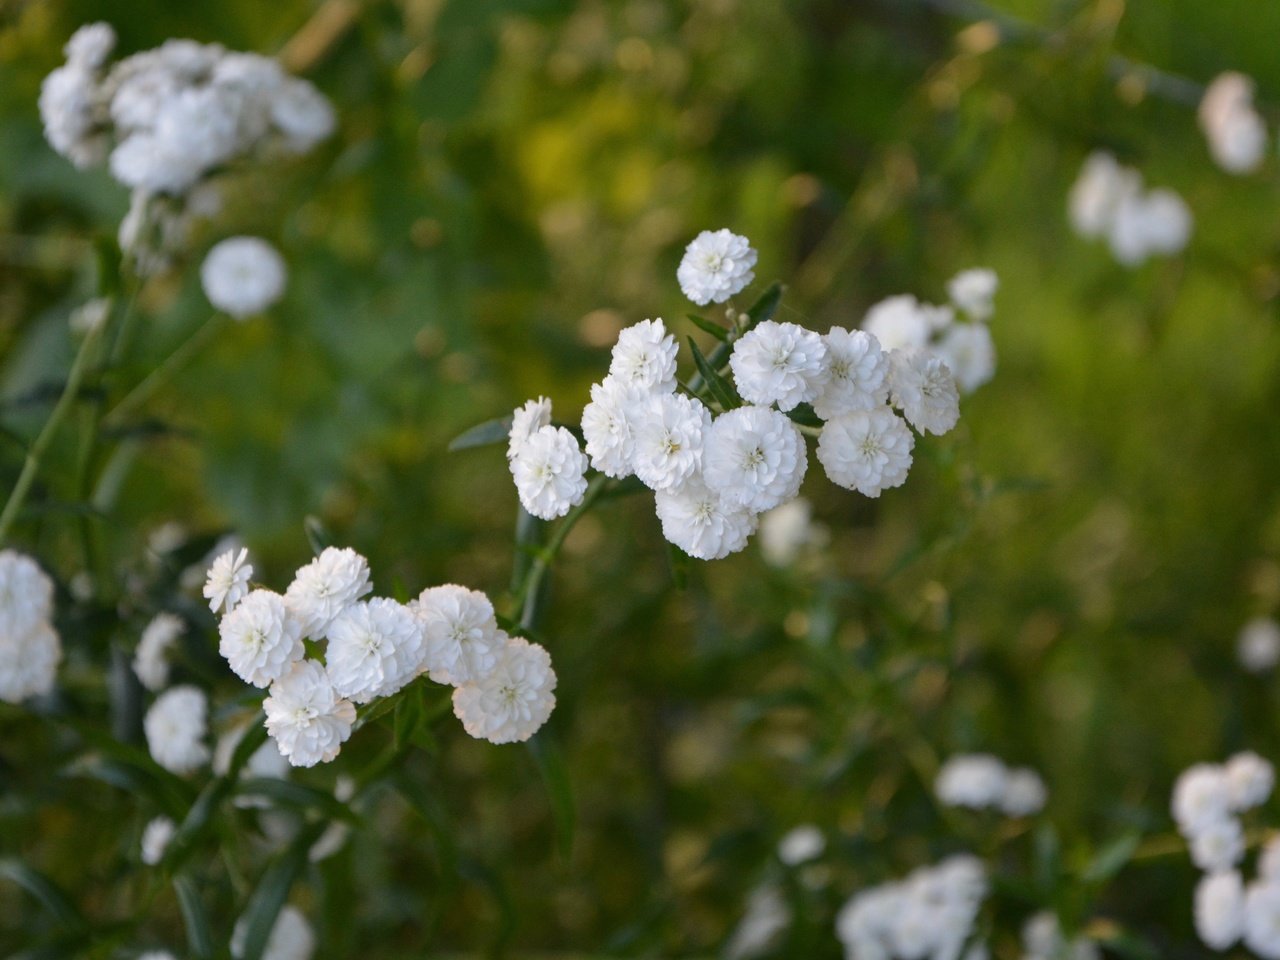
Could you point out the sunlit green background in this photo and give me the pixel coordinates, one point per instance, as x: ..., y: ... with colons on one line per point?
x: 1060, y: 582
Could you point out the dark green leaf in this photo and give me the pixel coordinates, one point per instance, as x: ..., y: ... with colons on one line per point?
x: 483, y: 435
x: 1112, y: 858
x: 764, y: 308
x: 679, y: 561
x: 555, y: 776
x: 50, y: 895
x: 720, y: 387
x: 1048, y: 858
x: 273, y: 890
x: 199, y: 939
x: 717, y: 331
x: 198, y: 824
x: 286, y: 793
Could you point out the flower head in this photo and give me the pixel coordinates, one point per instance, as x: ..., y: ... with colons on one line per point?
x: 856, y: 375
x: 754, y: 457
x: 155, y: 839
x: 668, y: 432
x: 904, y: 323
x: 29, y: 662
x: 973, y: 290
x: 974, y: 780
x: 1201, y: 797
x: 243, y: 276
x: 291, y: 937
x: 261, y: 638
x: 1236, y: 132
x: 1258, y: 645
x: 305, y: 715
x: 228, y: 580
x: 550, y: 473
x: 780, y: 363
x: 175, y: 727
x: 1219, y: 909
x: 514, y: 699
x: 150, y: 660
x: 26, y: 595
x: 525, y: 421
x: 606, y: 425
x: 645, y: 357
x: 1250, y: 780
x: 462, y: 637
x: 375, y: 648
x: 969, y: 353
x: 701, y: 523
x: 716, y: 265
x: 325, y: 587
x: 922, y: 387
x: 867, y: 451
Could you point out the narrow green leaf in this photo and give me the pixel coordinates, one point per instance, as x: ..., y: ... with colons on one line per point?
x: 409, y: 715
x: 296, y: 796
x: 482, y: 435
x: 717, y: 331
x: 259, y: 916
x: 197, y: 825
x: 555, y: 775
x: 318, y: 535
x: 1112, y: 858
x: 1048, y: 858
x: 194, y: 918
x: 254, y: 737
x: 717, y: 384
x: 50, y: 895
x: 764, y: 308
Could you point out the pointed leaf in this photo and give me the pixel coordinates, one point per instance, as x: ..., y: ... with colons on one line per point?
x: 717, y: 331
x: 272, y: 891
x: 717, y: 384
x: 764, y: 308
x: 555, y: 776
x: 199, y: 939
x: 50, y: 895
x: 1112, y: 858
x: 483, y: 435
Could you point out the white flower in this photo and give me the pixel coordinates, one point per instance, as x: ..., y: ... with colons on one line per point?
x: 1218, y: 845
x: 1024, y: 793
x: 1236, y: 133
x: 243, y: 276
x: 969, y: 353
x: 514, y: 699
x: 155, y: 839
x: 462, y: 637
x: 90, y: 46
x: 856, y: 375
x: 150, y: 660
x: 923, y: 388
x: 754, y: 457
x: 1201, y: 797
x: 1249, y: 780
x: 375, y: 648
x: 645, y: 357
x: 904, y: 323
x: 1148, y: 223
x: 157, y: 955
x: 1258, y: 646
x: 89, y: 316
x: 866, y: 451
x: 29, y: 663
x: 716, y: 265
x: 228, y: 581
x: 765, y: 916
x: 1219, y: 909
x: 26, y: 595
x: 973, y: 290
x: 71, y: 108
x: 606, y: 425
x: 335, y: 837
x: 266, y: 762
x: 1097, y: 192
x: 1262, y: 920
x: 974, y: 780
x: 307, y: 718
x: 175, y: 727
x: 801, y: 844
x: 668, y: 433
x: 780, y: 363
x: 291, y: 937
x: 325, y: 587
x: 550, y: 473
x: 260, y: 639
x: 787, y: 530
x: 302, y: 114
x: 698, y: 520
x: 525, y: 422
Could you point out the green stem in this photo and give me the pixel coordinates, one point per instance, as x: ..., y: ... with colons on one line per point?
x: 35, y: 454
x: 542, y: 562
x: 161, y: 375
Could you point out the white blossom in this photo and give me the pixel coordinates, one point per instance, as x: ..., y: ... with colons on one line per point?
x: 1269, y: 859
x: 902, y: 322
x: 1258, y: 645
x: 969, y: 353
x: 1262, y: 920
x: 801, y: 844
x: 1250, y: 780
x: 228, y: 581
x: 29, y: 663
x: 550, y: 473
x: 461, y: 633
x: 525, y: 422
x: 155, y: 839
x: 306, y: 717
x: 1219, y: 909
x: 335, y: 837
x: 754, y: 457
x: 606, y: 426
x: 764, y: 918
x: 1201, y: 797
x: 786, y: 530
x: 977, y: 781
x: 291, y: 937
x: 716, y: 266
x: 1097, y: 192
x: 26, y: 595
x: 856, y: 374
x: 973, y: 291
x: 375, y: 648
x: 1218, y: 845
x: 668, y: 432
x: 302, y: 113
x: 867, y: 451
x: 151, y: 659
x: 1236, y: 132
x: 243, y: 276
x: 325, y: 587
x: 514, y: 699
x: 1156, y: 222
x: 90, y: 46
x: 645, y: 357
x: 175, y: 727
x: 1024, y: 793
x: 700, y: 522
x: 922, y: 387
x: 261, y: 638
x: 780, y: 363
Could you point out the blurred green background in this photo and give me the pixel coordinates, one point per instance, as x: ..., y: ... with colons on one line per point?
x: 1060, y: 582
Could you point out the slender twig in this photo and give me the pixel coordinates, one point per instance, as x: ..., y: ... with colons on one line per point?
x: 542, y: 562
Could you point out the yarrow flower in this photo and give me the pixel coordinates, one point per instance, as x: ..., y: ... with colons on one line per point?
x: 754, y: 457
x: 780, y: 363
x: 305, y: 715
x: 375, y: 648
x: 150, y: 660
x: 716, y: 266
x: 243, y: 276
x: 866, y: 451
x: 228, y: 581
x: 325, y: 587
x: 1258, y: 645
x: 155, y: 839
x: 606, y: 426
x: 902, y: 322
x: 701, y: 523
x: 1220, y: 909
x: 1235, y: 130
x: 261, y: 638
x: 525, y: 422
x: 175, y: 727
x: 922, y: 387
x: 1109, y: 200
x: 550, y: 473
x: 645, y: 357
x: 801, y: 844
x: 668, y: 432
x: 461, y: 633
x: 856, y: 375
x: 787, y: 530
x: 973, y: 291
x: 514, y: 699
x: 30, y: 648
x: 969, y: 353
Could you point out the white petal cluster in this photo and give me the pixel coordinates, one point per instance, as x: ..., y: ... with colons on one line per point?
x: 902, y: 322
x: 243, y: 276
x: 261, y: 638
x: 175, y: 727
x: 460, y: 632
x: 30, y: 648
x: 1110, y: 201
x: 801, y: 844
x: 980, y: 781
x: 1235, y: 130
x: 325, y: 587
x: 669, y: 432
x: 291, y: 937
x: 155, y: 839
x: 525, y: 422
x: 1207, y: 804
x: 375, y: 648
x: 922, y: 387
x: 779, y: 363
x: 754, y: 457
x: 787, y: 531
x: 228, y: 580
x: 306, y: 717
x: 1042, y: 939
x: 716, y: 265
x: 702, y: 523
x: 866, y: 451
x: 645, y: 357
x: 151, y: 659
x: 550, y: 473
x: 606, y: 425
x: 856, y: 375
x: 511, y: 701
x: 929, y: 914
x: 1258, y: 645
x: 974, y: 291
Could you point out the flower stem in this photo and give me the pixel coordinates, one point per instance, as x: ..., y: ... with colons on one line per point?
x: 168, y: 368
x: 529, y: 594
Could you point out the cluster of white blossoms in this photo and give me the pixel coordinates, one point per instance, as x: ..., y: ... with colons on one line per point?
x: 151, y: 659
x: 1235, y: 130
x: 980, y: 781
x: 242, y: 276
x: 166, y: 120
x: 1258, y: 645
x: 30, y: 648
x: 929, y: 915
x: 716, y: 466
x: 1110, y: 201
x: 176, y: 726
x: 373, y: 647
x: 1208, y: 801
x: 1042, y: 939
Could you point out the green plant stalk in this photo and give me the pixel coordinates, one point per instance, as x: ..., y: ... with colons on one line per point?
x: 529, y: 609
x: 35, y: 454
x: 168, y: 368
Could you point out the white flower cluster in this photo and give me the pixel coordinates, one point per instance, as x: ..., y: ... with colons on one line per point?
x: 1235, y: 130
x: 166, y: 119
x: 242, y: 276
x: 176, y: 726
x: 30, y: 649
x: 717, y: 264
x: 1208, y: 800
x: 713, y: 475
x: 980, y: 781
x: 1109, y: 200
x: 1042, y: 939
x: 151, y: 659
x: 373, y: 648
x: 928, y: 916
x: 1258, y: 645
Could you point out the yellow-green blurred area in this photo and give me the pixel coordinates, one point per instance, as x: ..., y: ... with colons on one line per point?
x: 1060, y: 581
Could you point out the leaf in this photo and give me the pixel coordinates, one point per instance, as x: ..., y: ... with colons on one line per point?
x: 1112, y: 858
x: 286, y: 793
x: 194, y: 918
x: 549, y: 760
x: 318, y: 535
x: 1048, y: 858
x: 50, y: 895
x: 764, y: 308
x: 717, y: 384
x: 409, y: 716
x: 717, y: 331
x: 482, y: 435
x: 195, y: 826
x: 273, y: 890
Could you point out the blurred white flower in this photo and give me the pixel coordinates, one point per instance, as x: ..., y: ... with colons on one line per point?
x: 1262, y: 919
x: 800, y: 845
x: 787, y: 530
x: 291, y: 937
x: 974, y: 780
x: 90, y: 46
x: 765, y: 917
x: 151, y: 659
x: 175, y: 727
x: 1024, y: 793
x: 973, y: 291
x: 155, y: 839
x: 1219, y: 909
x: 512, y: 701
x: 243, y: 276
x: 26, y: 595
x: 1201, y: 797
x: 969, y: 353
x: 716, y: 266
x: 1218, y: 845
x: 1258, y: 646
x: 1236, y: 132
x: 902, y: 322
x: 1250, y: 780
